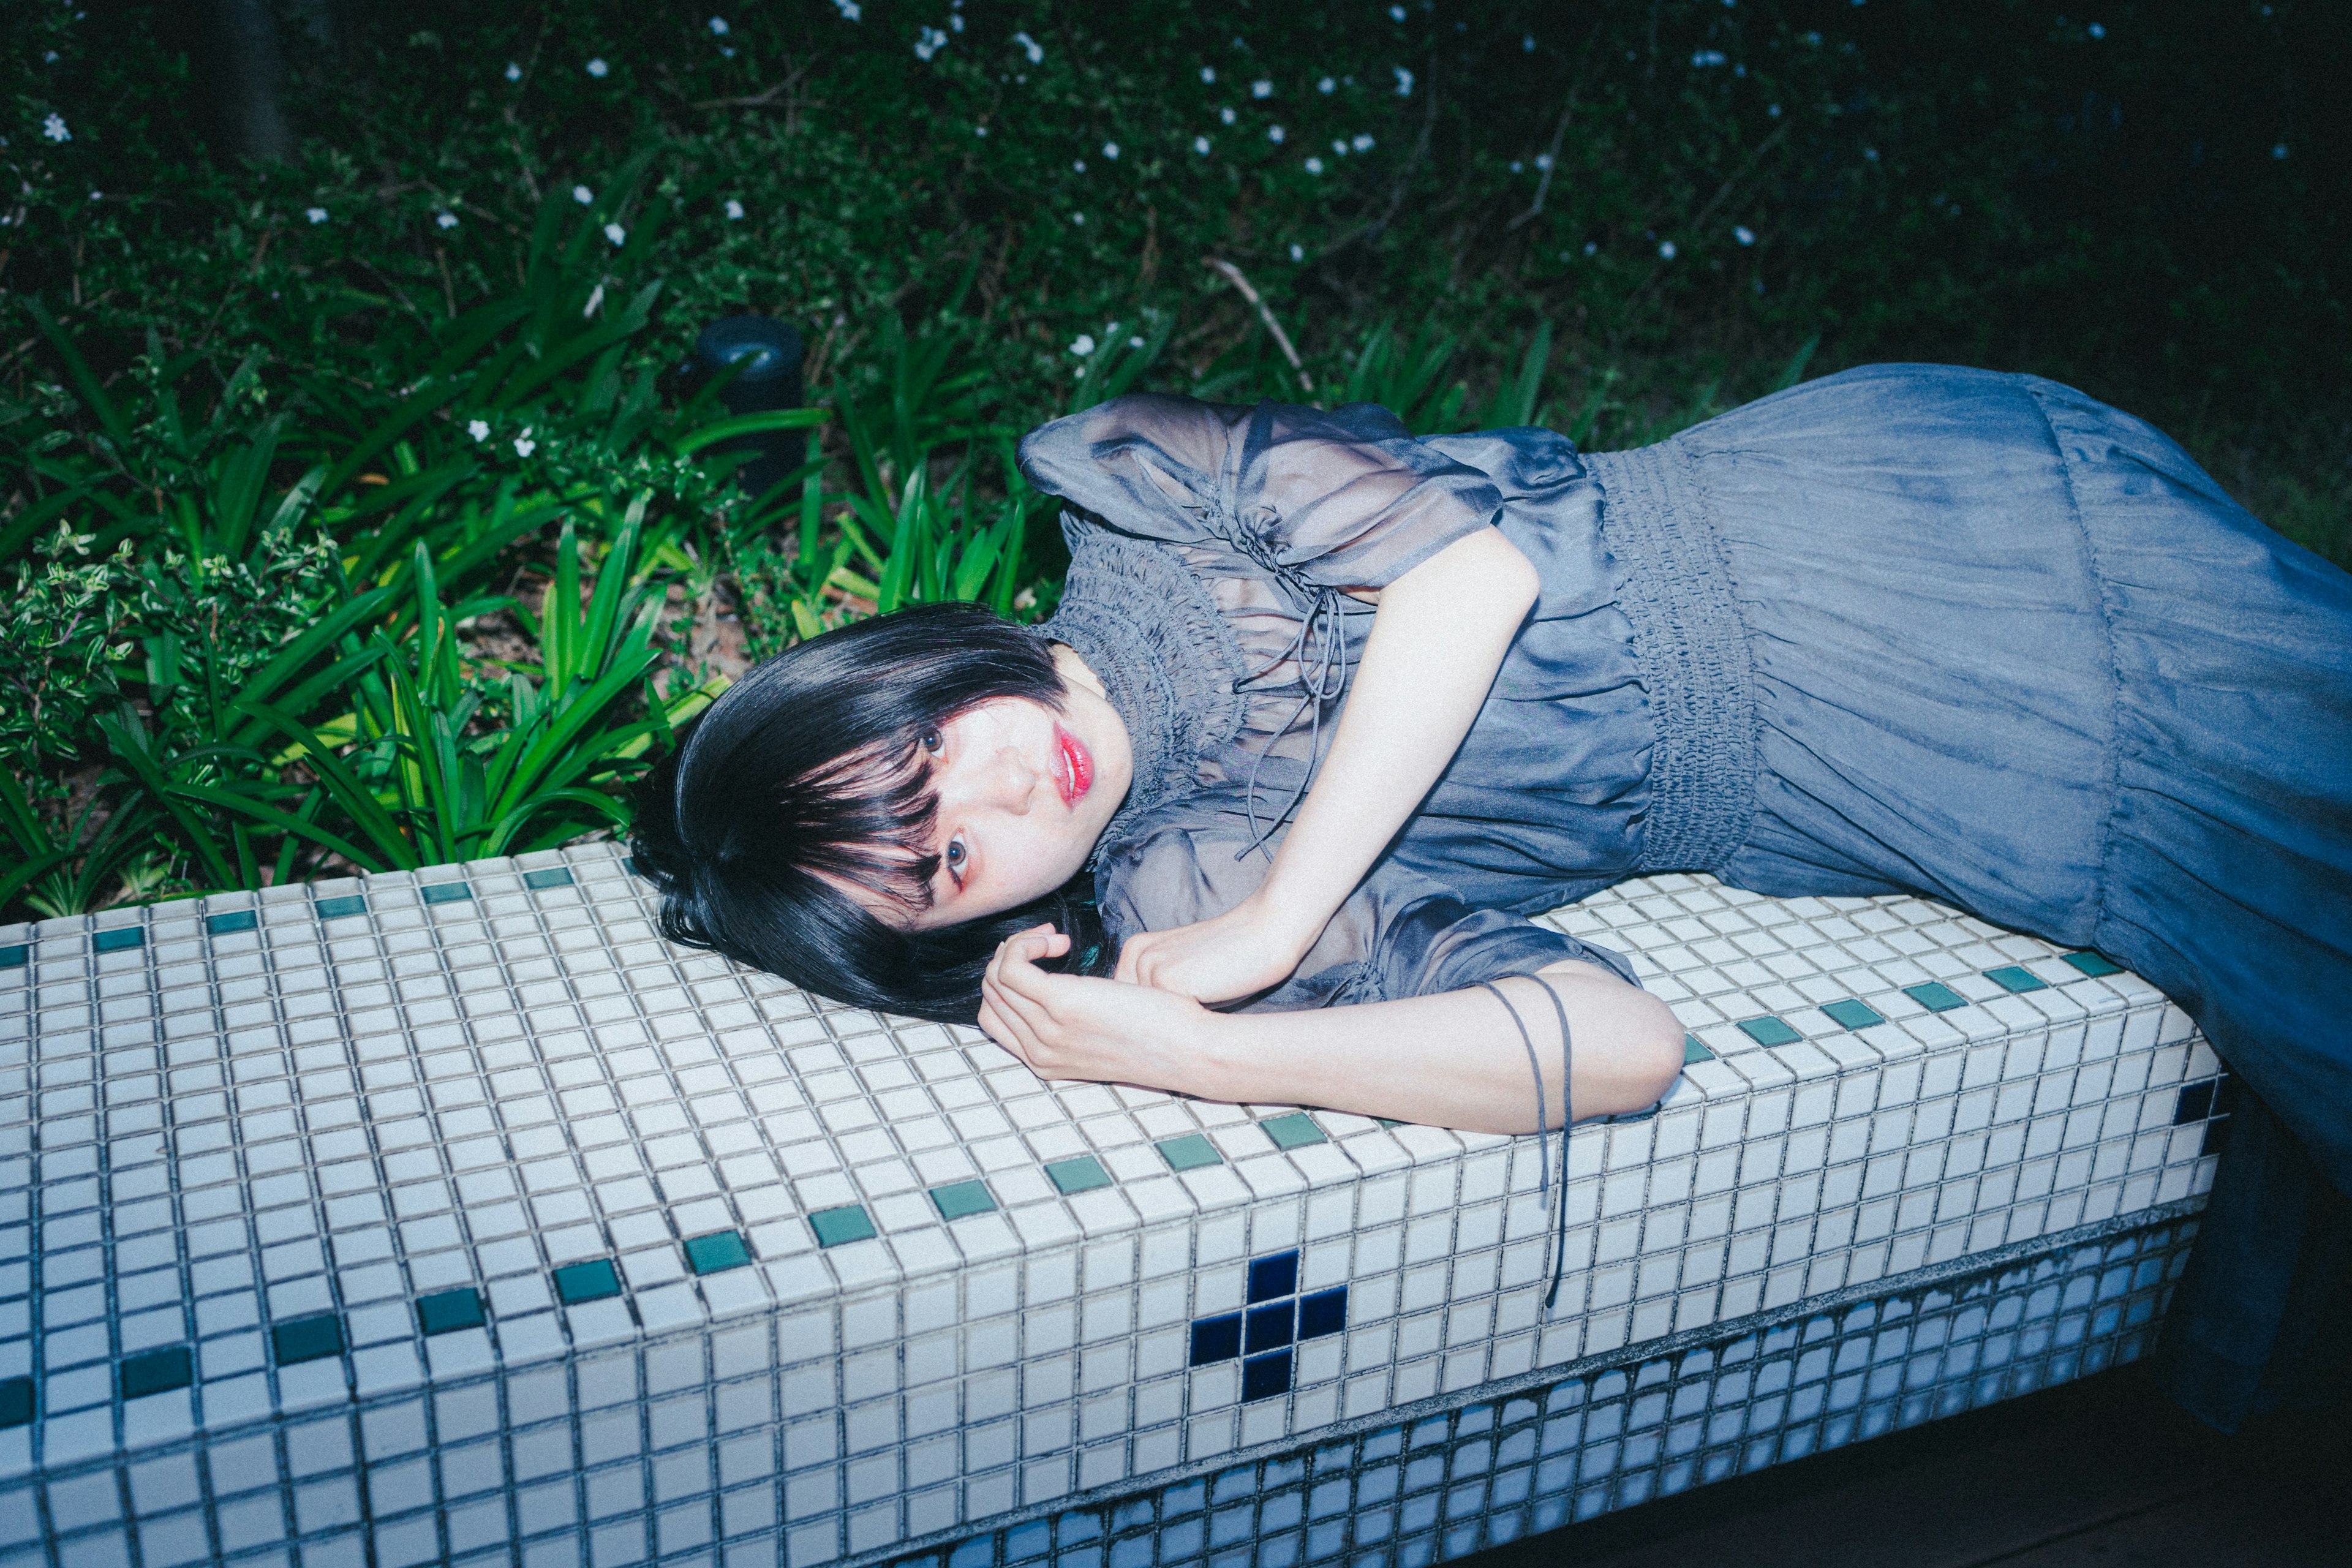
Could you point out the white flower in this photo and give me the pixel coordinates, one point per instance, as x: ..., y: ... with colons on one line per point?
x: 524, y: 444
x: 1078, y: 217
x: 54, y: 128
x: 1225, y: 115
x: 1666, y: 249
x: 1743, y: 234
x: 1083, y: 344
x: 616, y: 234
x: 1314, y: 165
x: 1529, y: 43
x: 1261, y: 89
x: 1396, y: 13
x: 955, y: 23
x: 1208, y: 73
x: 1543, y: 159
x: 1136, y: 341
x: 1361, y: 142
x: 479, y: 429
x: 718, y: 26
x: 1871, y: 153
x: 850, y: 10
x: 316, y: 214
x: 1404, y: 82
x: 1274, y: 132
x: 98, y: 195
x: 2095, y: 30
x: 582, y: 194
x: 1339, y: 146
x: 514, y: 71
x: 1517, y: 166
x: 447, y: 220
x: 597, y: 67
x: 1591, y: 245
x: 931, y: 41
x: 2279, y: 150
x: 980, y: 130
x: 734, y: 210
x: 1705, y: 58
x: 1326, y: 85
x: 1773, y: 110
x: 1297, y: 253
x: 1110, y: 151
x: 1030, y: 47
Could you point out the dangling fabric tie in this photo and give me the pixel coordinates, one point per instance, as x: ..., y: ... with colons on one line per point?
x: 1556, y: 1248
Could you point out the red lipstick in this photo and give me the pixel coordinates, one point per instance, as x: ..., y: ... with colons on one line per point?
x: 1075, y: 771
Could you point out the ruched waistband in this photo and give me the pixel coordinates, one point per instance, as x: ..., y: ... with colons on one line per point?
x: 1691, y: 646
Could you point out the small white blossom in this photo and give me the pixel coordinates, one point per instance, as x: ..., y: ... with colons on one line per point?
x: 1326, y: 85
x: 479, y: 429
x: 1079, y: 164
x: 718, y: 26
x: 1773, y: 110
x: 98, y: 195
x: 1110, y: 151
x: 1743, y: 234
x: 980, y: 130
x: 2095, y: 30
x: 316, y: 214
x: 1261, y: 88
x: 1078, y: 217
x: 514, y: 71
x: 850, y: 9
x: 54, y: 128
x: 1590, y: 247
x: 597, y: 67
x: 1403, y: 81
x: 582, y: 194
x: 1705, y: 58
x: 1666, y: 249
x: 1543, y: 159
x: 524, y: 444
x: 1274, y: 132
x: 955, y: 23
x: 447, y: 220
x: 1030, y: 47
x: 616, y: 234
x: 1529, y: 43
x: 1314, y: 165
x: 1396, y: 13
x: 1083, y: 344
x: 1208, y: 73
x: 1297, y: 253
x: 1339, y: 146
x: 929, y: 42
x: 1361, y: 142
x: 1517, y: 166
x: 734, y: 210
x: 2279, y: 150
x: 1871, y: 153
x: 1200, y: 145
x: 1227, y: 115
x: 1136, y: 341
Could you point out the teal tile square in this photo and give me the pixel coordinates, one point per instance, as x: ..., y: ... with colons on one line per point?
x: 1694, y: 1050
x: 2093, y: 964
x: 1083, y: 1175
x: 847, y: 1223
x: 446, y: 893
x: 15, y: 957
x: 1851, y: 1014
x: 1189, y: 1152
x: 1936, y: 996
x: 1295, y: 1131
x: 717, y: 1253
x: 306, y: 1339
x: 2011, y: 977
x: 232, y: 922
x: 552, y: 876
x: 1769, y: 1030
x: 155, y: 1372
x: 1385, y: 1121
x: 15, y: 1401
x: 958, y: 1199
x: 341, y: 908
x: 446, y: 1311
x: 121, y: 939
x: 590, y: 1281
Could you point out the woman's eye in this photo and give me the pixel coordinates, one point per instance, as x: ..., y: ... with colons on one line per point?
x: 931, y: 741
x: 955, y: 853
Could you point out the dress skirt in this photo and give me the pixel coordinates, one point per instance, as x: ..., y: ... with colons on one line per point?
x: 2013, y: 649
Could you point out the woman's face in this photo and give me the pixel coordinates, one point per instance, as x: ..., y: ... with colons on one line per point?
x: 1024, y: 794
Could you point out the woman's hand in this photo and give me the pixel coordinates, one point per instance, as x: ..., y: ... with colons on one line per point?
x: 1237, y: 954
x: 1077, y: 1026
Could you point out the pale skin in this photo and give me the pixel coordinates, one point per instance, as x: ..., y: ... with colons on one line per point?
x: 1009, y: 832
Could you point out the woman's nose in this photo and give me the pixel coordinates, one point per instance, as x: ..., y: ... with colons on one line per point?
x: 1007, y: 780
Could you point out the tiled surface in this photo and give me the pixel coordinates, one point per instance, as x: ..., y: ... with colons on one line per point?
x: 476, y: 1220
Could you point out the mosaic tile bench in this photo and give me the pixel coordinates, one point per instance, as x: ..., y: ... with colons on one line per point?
x: 457, y: 1218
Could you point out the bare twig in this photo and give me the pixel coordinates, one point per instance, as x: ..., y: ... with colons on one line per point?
x: 1559, y: 134
x: 1235, y: 276
x: 1405, y: 175
x: 1723, y: 193
x: 763, y: 98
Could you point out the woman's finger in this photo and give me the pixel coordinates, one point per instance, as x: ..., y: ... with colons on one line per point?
x: 1033, y: 1013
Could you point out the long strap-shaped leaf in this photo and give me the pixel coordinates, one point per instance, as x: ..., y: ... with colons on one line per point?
x: 357, y: 800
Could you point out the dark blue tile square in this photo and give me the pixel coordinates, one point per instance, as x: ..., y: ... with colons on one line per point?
x: 1323, y: 1313
x: 1270, y: 1327
x: 446, y: 893
x: 1265, y: 1376
x: 551, y: 877
x: 2217, y: 1133
x: 1216, y: 1339
x: 2093, y: 964
x: 306, y: 1339
x: 2225, y: 1095
x: 16, y: 1400
x: 1275, y: 1276
x: 347, y: 907
x: 121, y: 939
x: 15, y: 956
x: 446, y: 1311
x: 2195, y: 1104
x: 230, y: 923
x: 155, y: 1372
x: 590, y: 1281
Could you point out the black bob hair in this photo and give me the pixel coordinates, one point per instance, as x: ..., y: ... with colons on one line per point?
x: 814, y: 763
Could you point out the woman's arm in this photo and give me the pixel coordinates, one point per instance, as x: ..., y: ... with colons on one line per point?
x: 1439, y: 635
x: 1455, y: 1059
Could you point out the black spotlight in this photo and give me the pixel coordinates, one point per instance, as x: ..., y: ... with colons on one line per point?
x: 769, y: 354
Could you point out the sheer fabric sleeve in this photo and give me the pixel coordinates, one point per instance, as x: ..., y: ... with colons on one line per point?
x: 1343, y: 500
x: 1400, y: 933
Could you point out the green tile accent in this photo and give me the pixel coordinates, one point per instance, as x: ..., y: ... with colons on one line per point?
x: 306, y: 1339
x: 590, y: 1281
x: 552, y: 876
x: 1386, y: 1122
x: 847, y: 1223
x: 1851, y: 1014
x: 1694, y: 1050
x: 15, y: 1401
x: 958, y: 1199
x: 341, y: 908
x: 2093, y: 964
x: 232, y: 922
x: 717, y: 1253
x: 121, y: 939
x: 1295, y: 1131
x: 1936, y: 996
x: 1189, y: 1152
x: 446, y: 1311
x: 446, y: 893
x: 2013, y: 977
x: 1083, y: 1175
x: 154, y: 1371
x: 1769, y: 1030
x: 15, y: 957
